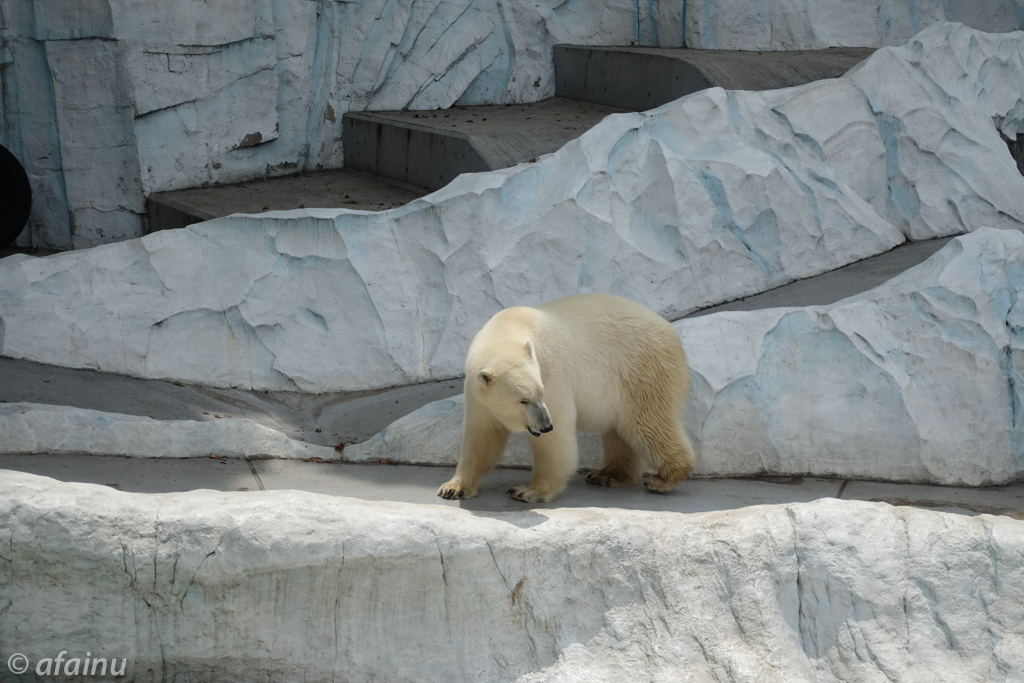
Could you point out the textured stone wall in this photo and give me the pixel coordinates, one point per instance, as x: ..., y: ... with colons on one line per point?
x: 106, y: 101
x: 819, y: 24
x: 711, y: 198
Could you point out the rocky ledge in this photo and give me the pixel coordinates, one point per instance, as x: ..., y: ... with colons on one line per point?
x: 298, y: 586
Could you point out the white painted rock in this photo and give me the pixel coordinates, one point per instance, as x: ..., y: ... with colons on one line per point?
x: 406, y: 55
x: 297, y: 586
x: 919, y: 380
x: 105, y: 102
x: 38, y: 428
x: 795, y: 25
x: 228, y: 90
x: 715, y: 197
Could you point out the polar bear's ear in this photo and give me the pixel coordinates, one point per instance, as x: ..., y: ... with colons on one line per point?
x: 486, y: 377
x: 529, y: 349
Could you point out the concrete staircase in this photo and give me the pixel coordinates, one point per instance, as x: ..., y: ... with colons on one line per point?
x: 393, y: 157
x: 432, y: 148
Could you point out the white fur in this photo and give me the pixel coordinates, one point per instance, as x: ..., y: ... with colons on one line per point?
x: 590, y: 362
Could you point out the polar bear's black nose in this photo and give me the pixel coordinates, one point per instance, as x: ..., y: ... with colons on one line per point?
x: 543, y: 429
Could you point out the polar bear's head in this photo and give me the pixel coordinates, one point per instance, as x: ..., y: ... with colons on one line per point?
x: 506, y: 378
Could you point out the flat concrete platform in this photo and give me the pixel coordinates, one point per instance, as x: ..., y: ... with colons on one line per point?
x: 412, y: 484
x: 28, y: 251
x: 432, y: 148
x: 642, y: 78
x: 341, y: 188
x: 836, y: 285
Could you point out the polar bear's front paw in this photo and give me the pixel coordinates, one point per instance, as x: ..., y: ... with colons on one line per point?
x: 528, y: 495
x: 454, y: 490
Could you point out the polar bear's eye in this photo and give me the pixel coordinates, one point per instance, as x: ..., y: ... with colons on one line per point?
x: 525, y: 402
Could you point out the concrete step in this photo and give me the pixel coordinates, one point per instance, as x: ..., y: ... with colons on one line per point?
x: 393, y: 157
x: 642, y: 78
x: 431, y: 148
x: 343, y: 188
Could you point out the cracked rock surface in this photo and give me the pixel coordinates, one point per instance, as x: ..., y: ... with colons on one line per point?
x: 917, y: 380
x: 309, y: 587
x: 711, y: 198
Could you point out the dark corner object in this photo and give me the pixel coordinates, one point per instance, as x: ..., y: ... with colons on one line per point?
x: 15, y: 197
x: 1016, y: 149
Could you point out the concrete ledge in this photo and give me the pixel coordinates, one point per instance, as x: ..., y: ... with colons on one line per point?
x: 412, y: 484
x: 408, y: 152
x: 165, y: 213
x: 642, y: 78
x: 333, y: 189
x: 433, y: 148
x: 286, y: 585
x: 35, y: 428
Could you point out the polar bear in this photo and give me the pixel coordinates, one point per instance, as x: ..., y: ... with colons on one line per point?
x: 589, y: 362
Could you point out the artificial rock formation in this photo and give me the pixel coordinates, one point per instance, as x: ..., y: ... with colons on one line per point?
x: 432, y: 435
x: 714, y: 197
x: 38, y: 428
x: 919, y: 380
x: 298, y: 586
x: 799, y: 25
x: 108, y: 101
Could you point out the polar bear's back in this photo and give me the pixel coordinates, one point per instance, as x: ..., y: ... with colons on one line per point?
x: 613, y: 350
x: 586, y: 310
x: 611, y: 325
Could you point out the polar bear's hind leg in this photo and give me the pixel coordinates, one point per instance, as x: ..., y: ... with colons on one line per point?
x: 674, y: 460
x: 653, y: 423
x: 621, y: 466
